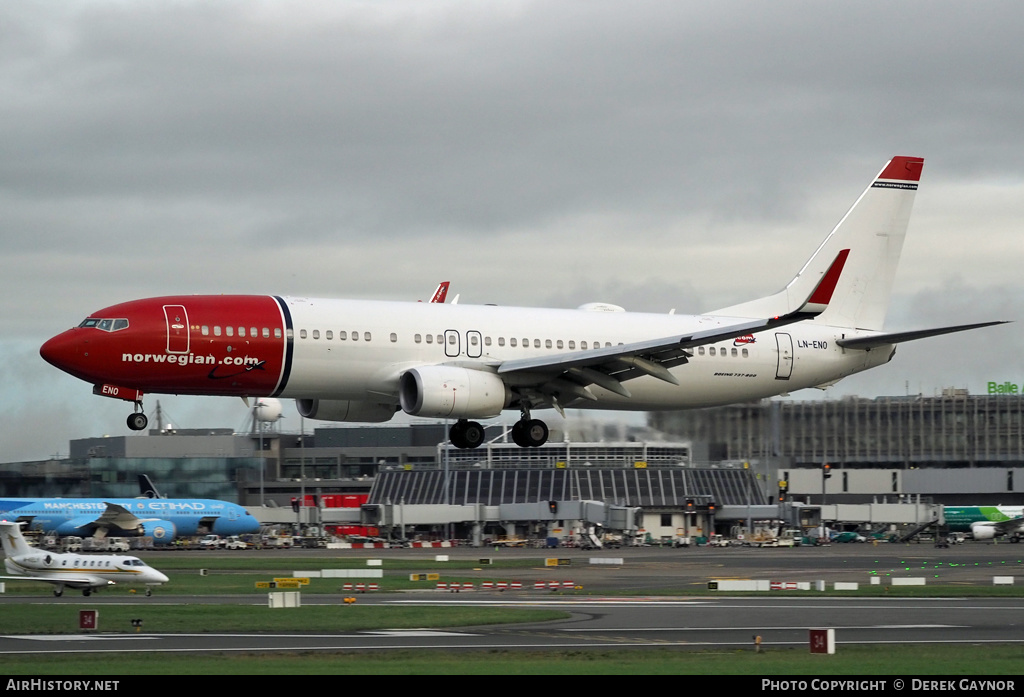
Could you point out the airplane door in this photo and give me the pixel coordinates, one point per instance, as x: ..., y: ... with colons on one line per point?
x: 474, y: 344
x: 452, y: 346
x: 785, y: 367
x: 177, y: 328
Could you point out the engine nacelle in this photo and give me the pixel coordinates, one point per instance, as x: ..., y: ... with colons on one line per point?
x: 345, y: 410
x: 445, y: 391
x: 980, y: 531
x: 163, y: 532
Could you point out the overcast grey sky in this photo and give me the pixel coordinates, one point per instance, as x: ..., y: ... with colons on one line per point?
x: 652, y: 154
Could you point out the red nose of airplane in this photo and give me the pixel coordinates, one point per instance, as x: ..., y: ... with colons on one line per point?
x: 68, y: 351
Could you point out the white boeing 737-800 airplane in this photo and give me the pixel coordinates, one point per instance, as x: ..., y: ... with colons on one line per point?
x: 361, y: 361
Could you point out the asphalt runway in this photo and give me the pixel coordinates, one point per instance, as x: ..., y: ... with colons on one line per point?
x: 640, y: 619
x: 607, y: 623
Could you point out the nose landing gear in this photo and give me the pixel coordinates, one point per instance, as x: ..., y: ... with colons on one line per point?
x: 138, y: 420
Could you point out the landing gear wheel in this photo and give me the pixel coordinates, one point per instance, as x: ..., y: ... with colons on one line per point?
x: 57, y: 592
x: 530, y: 433
x: 86, y: 592
x: 137, y: 421
x: 466, y: 434
x: 149, y: 592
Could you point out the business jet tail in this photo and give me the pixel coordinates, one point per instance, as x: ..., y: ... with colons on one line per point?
x: 873, y: 230
x: 13, y: 542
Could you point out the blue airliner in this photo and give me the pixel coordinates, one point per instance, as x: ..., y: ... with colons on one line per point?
x: 161, y: 519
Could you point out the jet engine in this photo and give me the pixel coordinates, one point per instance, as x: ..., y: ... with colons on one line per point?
x: 163, y: 532
x: 448, y: 392
x: 345, y: 410
x: 981, y: 531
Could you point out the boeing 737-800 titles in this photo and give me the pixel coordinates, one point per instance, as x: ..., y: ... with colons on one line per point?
x: 362, y: 361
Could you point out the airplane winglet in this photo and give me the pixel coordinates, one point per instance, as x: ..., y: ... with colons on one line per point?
x: 440, y: 293
x: 820, y: 297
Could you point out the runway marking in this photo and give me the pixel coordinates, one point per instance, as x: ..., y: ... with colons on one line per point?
x: 601, y: 602
x: 415, y: 633
x: 479, y: 646
x: 82, y: 637
x: 773, y: 628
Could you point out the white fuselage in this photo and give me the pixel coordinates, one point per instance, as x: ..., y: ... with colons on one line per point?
x: 82, y: 570
x: 393, y: 337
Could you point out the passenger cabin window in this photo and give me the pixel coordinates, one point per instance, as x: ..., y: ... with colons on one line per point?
x: 342, y: 335
x: 394, y: 337
x: 266, y: 332
x: 302, y: 333
x: 328, y: 335
x: 316, y: 333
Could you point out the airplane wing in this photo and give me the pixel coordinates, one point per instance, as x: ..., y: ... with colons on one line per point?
x: 1007, y: 527
x: 69, y: 581
x: 865, y: 343
x: 571, y: 374
x: 117, y: 516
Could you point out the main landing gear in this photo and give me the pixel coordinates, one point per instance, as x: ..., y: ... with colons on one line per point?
x: 527, y: 433
x: 530, y: 433
x: 466, y: 434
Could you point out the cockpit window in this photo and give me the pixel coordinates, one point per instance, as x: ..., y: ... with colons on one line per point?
x: 107, y: 325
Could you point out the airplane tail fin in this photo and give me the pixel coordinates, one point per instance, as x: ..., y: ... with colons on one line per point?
x: 147, y: 489
x: 873, y: 230
x: 13, y: 541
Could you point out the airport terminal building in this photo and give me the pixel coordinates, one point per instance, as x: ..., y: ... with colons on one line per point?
x: 718, y: 467
x: 955, y: 448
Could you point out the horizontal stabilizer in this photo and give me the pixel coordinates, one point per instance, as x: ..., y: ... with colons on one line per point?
x: 869, y: 342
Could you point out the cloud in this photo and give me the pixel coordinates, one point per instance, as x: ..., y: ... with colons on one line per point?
x: 667, y: 154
